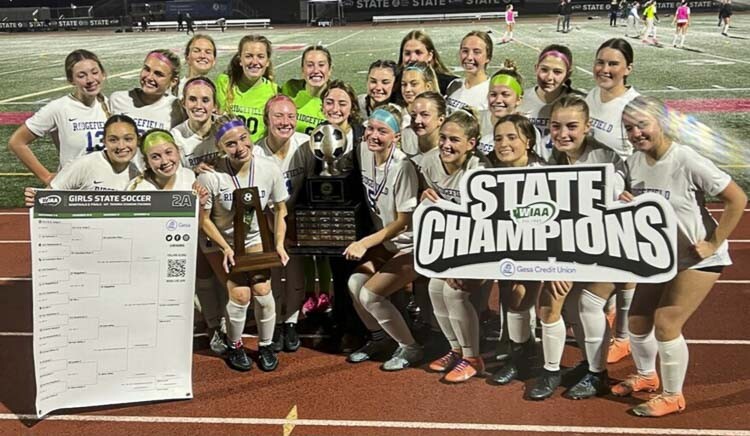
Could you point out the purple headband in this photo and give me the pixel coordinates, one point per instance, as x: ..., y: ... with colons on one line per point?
x: 198, y: 82
x: 229, y: 125
x: 556, y: 54
x: 161, y: 57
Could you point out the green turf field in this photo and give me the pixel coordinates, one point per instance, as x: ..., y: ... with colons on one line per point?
x: 714, y: 67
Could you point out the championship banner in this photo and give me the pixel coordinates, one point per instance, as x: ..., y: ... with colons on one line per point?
x: 550, y: 223
x: 113, y: 278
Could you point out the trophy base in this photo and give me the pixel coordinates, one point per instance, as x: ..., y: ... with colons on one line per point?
x: 326, y: 229
x: 256, y: 262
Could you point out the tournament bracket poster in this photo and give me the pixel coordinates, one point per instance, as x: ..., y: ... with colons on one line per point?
x: 113, y: 278
x: 546, y: 223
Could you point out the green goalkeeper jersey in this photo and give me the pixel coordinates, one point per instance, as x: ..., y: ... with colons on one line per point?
x: 309, y: 108
x: 247, y: 105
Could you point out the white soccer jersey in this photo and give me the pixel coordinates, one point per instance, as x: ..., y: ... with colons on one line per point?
x: 606, y: 120
x: 292, y: 169
x: 410, y: 143
x: 181, y: 88
x: 390, y: 188
x: 164, y: 114
x: 80, y: 128
x: 436, y: 177
x: 487, y: 142
x: 184, y: 182
x: 93, y: 172
x: 596, y: 153
x: 475, y: 96
x: 193, y: 147
x: 221, y: 184
x: 362, y: 101
x: 683, y: 177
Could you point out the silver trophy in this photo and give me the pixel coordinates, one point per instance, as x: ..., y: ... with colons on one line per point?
x: 328, y: 144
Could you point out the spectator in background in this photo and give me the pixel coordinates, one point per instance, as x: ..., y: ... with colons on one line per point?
x: 560, y: 14
x: 567, y: 11
x: 179, y: 21
x: 189, y: 22
x: 614, y: 8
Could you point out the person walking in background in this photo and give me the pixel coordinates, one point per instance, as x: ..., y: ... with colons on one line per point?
x: 510, y: 23
x: 560, y: 15
x: 614, y: 9
x: 189, y: 22
x: 634, y: 28
x: 179, y: 21
x: 682, y: 21
x: 725, y: 14
x: 568, y: 11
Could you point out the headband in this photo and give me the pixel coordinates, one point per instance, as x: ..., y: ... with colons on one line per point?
x: 386, y: 117
x: 229, y: 125
x: 557, y: 54
x: 415, y: 68
x: 156, y: 137
x: 509, y: 81
x: 199, y: 82
x: 161, y: 57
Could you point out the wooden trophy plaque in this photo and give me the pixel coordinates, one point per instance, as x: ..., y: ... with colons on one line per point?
x: 246, y: 204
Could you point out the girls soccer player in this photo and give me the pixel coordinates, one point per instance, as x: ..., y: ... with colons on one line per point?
x: 569, y: 129
x: 427, y: 115
x: 239, y: 169
x: 387, y: 263
x: 316, y: 73
x: 418, y: 46
x: 162, y: 161
x: 682, y: 21
x: 248, y: 84
x: 416, y: 78
x: 200, y: 57
x: 77, y: 118
x: 152, y: 106
x: 381, y: 78
x: 193, y: 136
x: 474, y: 55
x: 649, y: 13
x: 442, y: 169
x: 510, y: 23
x: 660, y: 310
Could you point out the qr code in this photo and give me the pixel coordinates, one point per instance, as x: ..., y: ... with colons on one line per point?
x: 176, y: 268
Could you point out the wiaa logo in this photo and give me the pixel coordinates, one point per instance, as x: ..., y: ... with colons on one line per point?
x: 50, y: 200
x: 536, y: 213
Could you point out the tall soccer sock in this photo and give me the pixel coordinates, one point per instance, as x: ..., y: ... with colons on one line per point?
x: 294, y: 290
x: 725, y: 29
x: 596, y: 329
x: 356, y: 285
x: 237, y: 313
x: 674, y: 40
x: 464, y: 319
x: 553, y: 344
x: 265, y: 318
x: 682, y: 40
x: 210, y: 308
x: 572, y: 316
x: 624, y: 300
x: 387, y: 315
x: 674, y: 362
x: 519, y: 326
x: 644, y: 349
x: 441, y: 312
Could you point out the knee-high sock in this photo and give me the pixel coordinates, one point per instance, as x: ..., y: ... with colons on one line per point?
x: 237, y: 313
x: 682, y: 40
x: 644, y: 349
x: 387, y: 315
x: 553, y: 344
x: 441, y: 312
x: 572, y: 316
x: 356, y: 284
x: 293, y: 291
x: 519, y: 325
x: 211, y: 306
x: 265, y: 318
x: 464, y: 320
x: 596, y: 329
x: 624, y: 299
x: 674, y: 362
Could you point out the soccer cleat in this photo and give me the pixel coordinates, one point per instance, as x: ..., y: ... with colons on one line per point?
x: 267, y: 360
x: 506, y: 374
x: 237, y: 358
x: 323, y: 304
x: 636, y: 383
x: 291, y: 338
x: 544, y: 386
x: 218, y: 343
x: 618, y: 350
x: 446, y: 362
x: 592, y: 384
x: 404, y: 357
x: 660, y: 405
x: 370, y: 349
x: 465, y: 369
x: 278, y: 338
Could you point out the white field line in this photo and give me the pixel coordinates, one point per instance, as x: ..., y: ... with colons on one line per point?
x: 326, y: 45
x: 414, y: 425
x: 21, y: 97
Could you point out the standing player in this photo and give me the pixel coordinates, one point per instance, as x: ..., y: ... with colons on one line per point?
x: 510, y: 23
x: 442, y: 169
x: 725, y: 16
x: 634, y: 21
x: 649, y: 13
x: 152, y: 106
x: 418, y: 46
x: 568, y: 10
x: 381, y: 78
x: 682, y: 21
x: 200, y: 57
x: 76, y: 119
x: 660, y: 310
x: 248, y: 84
x: 316, y: 72
x: 386, y: 260
x: 612, y: 66
x: 240, y: 169
x: 475, y: 54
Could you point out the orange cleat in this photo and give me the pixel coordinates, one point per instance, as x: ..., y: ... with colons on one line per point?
x: 661, y: 405
x: 447, y: 362
x: 618, y: 350
x: 465, y: 369
x: 636, y: 383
